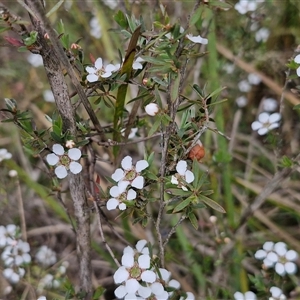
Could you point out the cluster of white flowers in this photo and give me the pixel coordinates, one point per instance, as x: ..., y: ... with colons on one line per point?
x: 277, y: 293
x: 98, y: 70
x: 64, y: 161
x: 183, y: 176
x: 4, y: 154
x: 15, y: 253
x: 139, y: 280
x: 277, y: 256
x: 126, y: 177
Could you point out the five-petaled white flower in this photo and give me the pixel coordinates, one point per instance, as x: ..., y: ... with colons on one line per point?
x: 266, y: 122
x: 64, y: 160
x: 99, y: 71
x: 119, y: 196
x: 4, y: 154
x: 197, y: 39
x: 130, y: 174
x: 183, y: 173
x: 277, y: 256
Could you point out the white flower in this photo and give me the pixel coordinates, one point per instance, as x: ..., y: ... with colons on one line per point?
x: 241, y: 101
x: 35, y: 60
x: 297, y: 60
x: 152, y: 109
x: 184, y: 174
x: 197, y: 39
x: 132, y: 134
x: 262, y: 35
x: 244, y: 86
x: 64, y: 160
x: 45, y: 256
x: 266, y: 122
x: 16, y: 253
x: 99, y: 71
x: 243, y: 6
x: 269, y: 104
x: 130, y: 174
x: 42, y: 298
x: 4, y: 154
x: 95, y: 28
x: 189, y: 296
x: 277, y: 256
x: 254, y: 79
x: 277, y: 294
x: 120, y: 195
x: 247, y: 296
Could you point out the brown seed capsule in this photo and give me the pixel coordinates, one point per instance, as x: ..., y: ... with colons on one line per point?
x: 197, y: 152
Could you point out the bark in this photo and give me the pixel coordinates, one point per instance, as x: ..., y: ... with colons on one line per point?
x: 54, y: 58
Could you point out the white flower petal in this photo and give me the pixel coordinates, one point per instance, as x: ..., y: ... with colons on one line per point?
x: 174, y: 284
x: 140, y: 245
x: 106, y: 74
x: 272, y: 256
x: 273, y: 126
x: 250, y: 296
x: 181, y: 167
x: 126, y: 162
x: 131, y: 194
x: 123, y: 185
x: 268, y: 263
x: 263, y: 117
x: 260, y: 254
x: 197, y: 39
x: 110, y: 68
x: 122, y: 206
x: 148, y: 276
x: 274, y: 117
x: 52, y: 159
x: 144, y: 261
x: 74, y: 153
x: 291, y: 255
x: 157, y: 288
x: 165, y: 274
x: 280, y: 248
x: 262, y: 131
x: 120, y: 292
x: 238, y: 296
x: 75, y: 167
x: 138, y: 182
x: 121, y: 275
x: 58, y: 149
x: 127, y: 260
x: 117, y: 175
x: 256, y: 125
x: 189, y: 176
x: 298, y: 71
x: 280, y: 269
x: 92, y: 78
x: 174, y: 180
x: 268, y: 246
x: 114, y: 191
x: 129, y: 250
x: 132, y: 285
x: 98, y: 63
x: 190, y: 296
x: 290, y: 267
x: 297, y: 59
x: 141, y: 165
x: 91, y: 70
x: 275, y: 291
x: 151, y: 109
x: 112, y: 204
x: 144, y: 292
x: 61, y: 172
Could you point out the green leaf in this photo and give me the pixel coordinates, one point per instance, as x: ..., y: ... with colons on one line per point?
x: 296, y: 106
x: 99, y: 292
x: 211, y: 203
x: 150, y: 175
x: 54, y: 8
x: 178, y: 192
x: 286, y: 162
x: 31, y: 39
x: 196, y: 16
x: 154, y: 126
x: 220, y: 4
x: 193, y: 220
x: 175, y: 88
x: 183, y: 204
x: 120, y: 18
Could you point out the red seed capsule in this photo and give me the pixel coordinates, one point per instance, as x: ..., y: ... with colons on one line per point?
x: 197, y: 152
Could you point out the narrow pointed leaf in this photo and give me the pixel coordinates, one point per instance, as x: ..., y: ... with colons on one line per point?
x: 183, y: 204
x: 214, y: 205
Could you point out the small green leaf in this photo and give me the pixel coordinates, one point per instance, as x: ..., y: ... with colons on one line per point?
x: 193, y: 220
x: 120, y: 18
x: 296, y: 106
x: 175, y: 88
x: 286, y: 162
x: 179, y: 192
x: 183, y: 204
x: 214, y: 205
x: 150, y: 175
x: 31, y: 39
x: 154, y: 126
x: 196, y: 16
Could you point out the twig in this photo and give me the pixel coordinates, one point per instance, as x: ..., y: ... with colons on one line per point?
x: 173, y: 230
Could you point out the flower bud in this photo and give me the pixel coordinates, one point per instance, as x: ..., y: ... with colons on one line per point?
x: 152, y: 109
x: 197, y: 152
